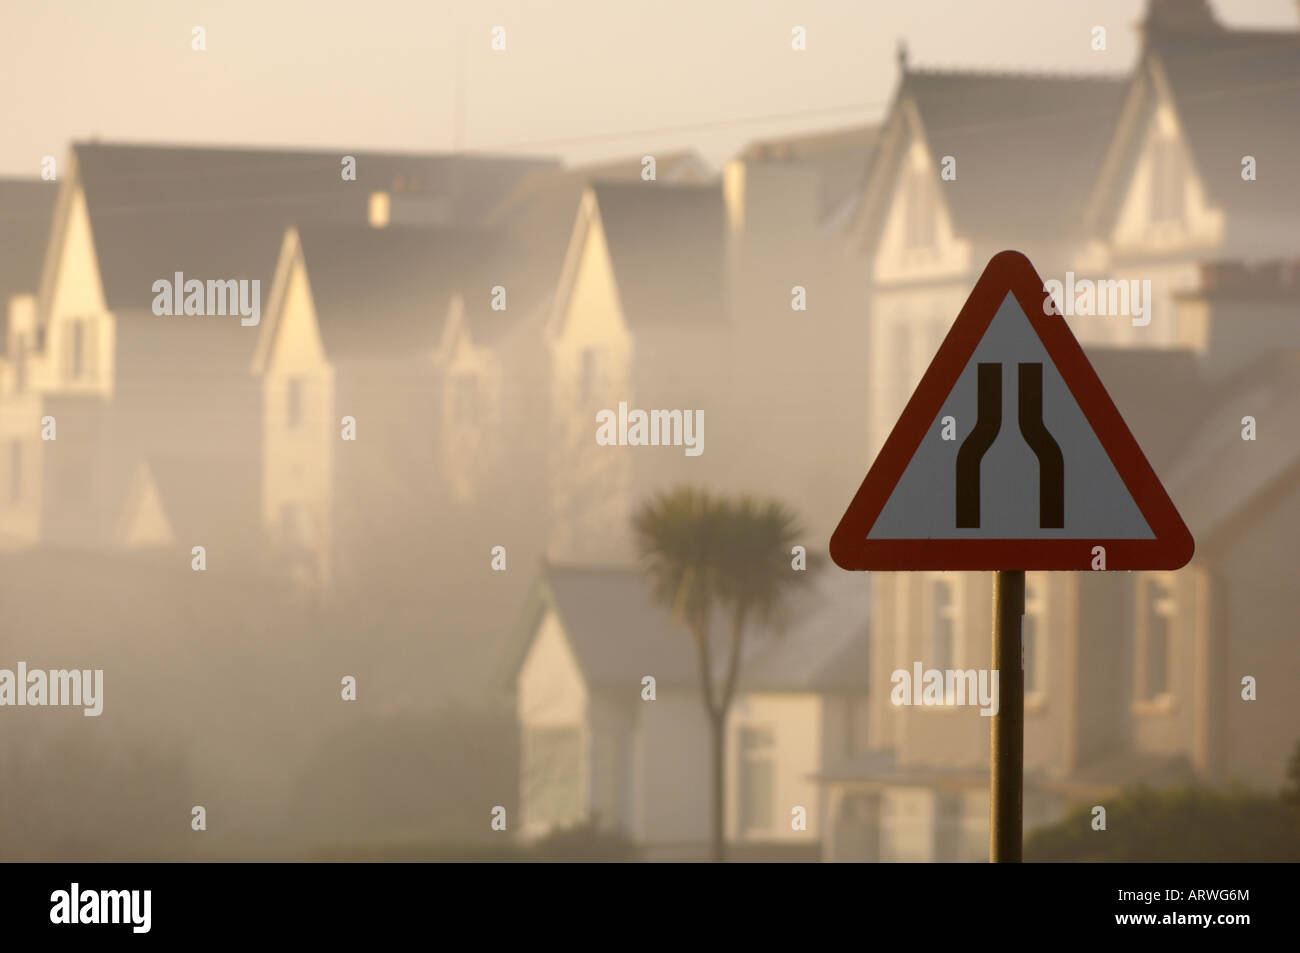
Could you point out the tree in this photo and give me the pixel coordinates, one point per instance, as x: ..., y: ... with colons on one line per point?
x: 701, y: 552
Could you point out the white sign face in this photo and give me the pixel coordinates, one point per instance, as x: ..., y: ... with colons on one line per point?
x: 1022, y: 462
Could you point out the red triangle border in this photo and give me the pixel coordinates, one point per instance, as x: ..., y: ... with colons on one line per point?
x: 1011, y: 271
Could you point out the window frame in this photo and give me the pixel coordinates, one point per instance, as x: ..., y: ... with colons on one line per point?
x: 1165, y: 605
x: 1036, y: 606
x: 755, y: 760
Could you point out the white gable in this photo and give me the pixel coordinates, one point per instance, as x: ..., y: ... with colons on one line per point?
x: 551, y: 688
x: 144, y: 522
x: 1165, y: 207
x: 918, y: 239
x: 77, y: 288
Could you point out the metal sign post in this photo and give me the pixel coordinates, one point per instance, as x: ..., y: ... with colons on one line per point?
x: 1007, y: 733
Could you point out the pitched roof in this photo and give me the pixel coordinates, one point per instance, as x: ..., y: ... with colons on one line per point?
x: 666, y: 245
x: 827, y: 650
x: 1023, y: 169
x: 619, y: 633
x: 1234, y: 92
x: 1028, y: 147
x: 1237, y: 92
x: 539, y: 213
x: 840, y: 158
x: 26, y: 207
x: 222, y: 213
x: 386, y: 291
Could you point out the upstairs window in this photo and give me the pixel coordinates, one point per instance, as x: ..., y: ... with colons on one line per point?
x: 918, y: 226
x: 1033, y: 658
x: 941, y: 642
x: 1156, y: 607
x: 1168, y: 181
x: 77, y: 350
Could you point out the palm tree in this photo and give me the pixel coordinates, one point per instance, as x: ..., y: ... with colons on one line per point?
x: 701, y: 551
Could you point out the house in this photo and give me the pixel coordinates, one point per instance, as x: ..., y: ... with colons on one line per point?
x: 597, y: 744
x: 1184, y: 178
x: 128, y: 217
x: 1129, y: 677
x: 639, y: 317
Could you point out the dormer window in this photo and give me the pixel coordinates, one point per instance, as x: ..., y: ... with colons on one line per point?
x: 918, y: 226
x: 1168, y: 178
x: 77, y: 350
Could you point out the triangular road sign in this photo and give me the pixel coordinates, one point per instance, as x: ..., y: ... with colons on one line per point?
x: 1011, y: 455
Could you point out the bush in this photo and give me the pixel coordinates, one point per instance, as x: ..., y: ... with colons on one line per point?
x: 1176, y: 824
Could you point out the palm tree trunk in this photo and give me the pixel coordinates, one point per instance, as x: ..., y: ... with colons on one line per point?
x: 719, y: 732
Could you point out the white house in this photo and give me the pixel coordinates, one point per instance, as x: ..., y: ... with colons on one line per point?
x: 595, y: 745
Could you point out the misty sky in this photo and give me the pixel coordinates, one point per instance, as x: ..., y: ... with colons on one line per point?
x: 581, y: 79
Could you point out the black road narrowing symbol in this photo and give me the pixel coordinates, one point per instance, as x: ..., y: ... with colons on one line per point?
x: 988, y: 422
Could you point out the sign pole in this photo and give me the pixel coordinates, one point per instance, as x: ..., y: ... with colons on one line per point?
x: 1007, y: 733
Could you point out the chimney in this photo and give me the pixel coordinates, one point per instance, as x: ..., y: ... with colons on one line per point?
x: 380, y: 209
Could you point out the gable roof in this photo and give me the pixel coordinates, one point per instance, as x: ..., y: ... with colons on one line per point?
x: 1023, y: 168
x: 222, y: 213
x: 538, y: 215
x: 1235, y: 93
x: 666, y: 246
x: 828, y: 650
x: 26, y: 208
x: 619, y: 633
x: 386, y: 291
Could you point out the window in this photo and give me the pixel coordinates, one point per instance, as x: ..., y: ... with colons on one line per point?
x: 941, y: 643
x: 1155, y: 636
x: 77, y: 350
x: 756, y: 778
x: 918, y: 225
x: 1032, y: 635
x: 553, y: 775
x: 15, y: 472
x: 20, y: 366
x: 293, y: 403
x: 1167, y: 181
x: 587, y: 371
